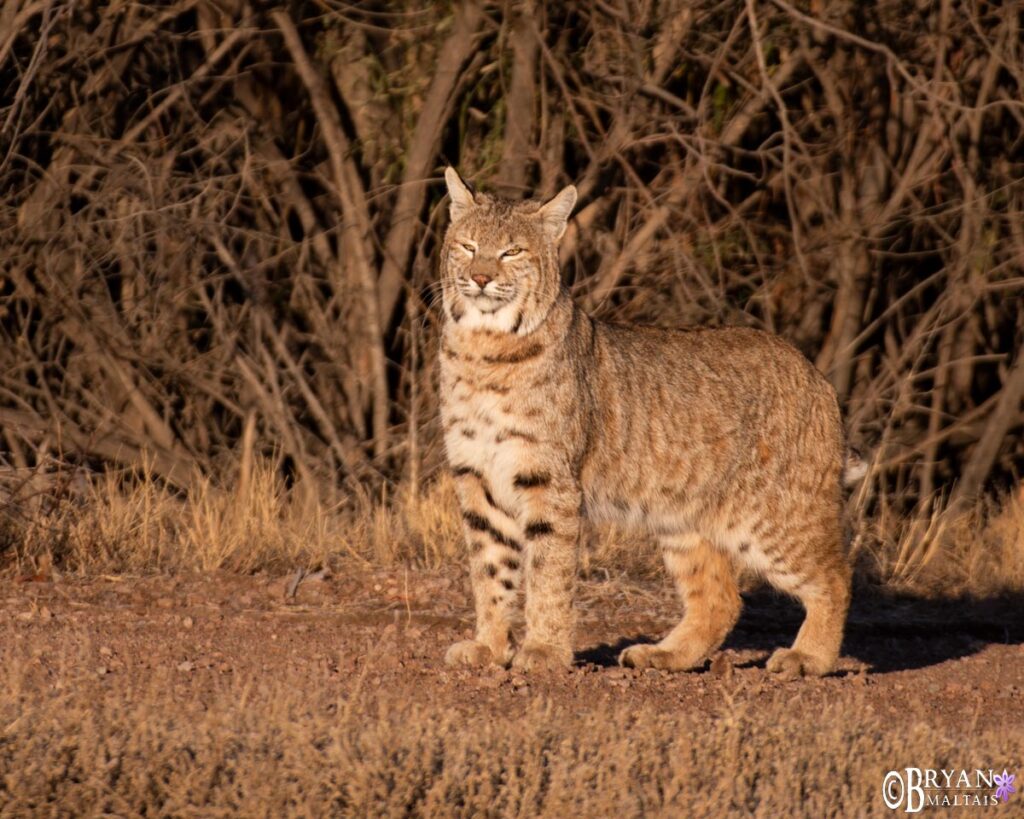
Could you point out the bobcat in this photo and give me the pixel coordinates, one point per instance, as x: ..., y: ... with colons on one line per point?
x: 726, y: 445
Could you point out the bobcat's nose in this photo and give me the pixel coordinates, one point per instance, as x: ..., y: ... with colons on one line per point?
x: 481, y: 279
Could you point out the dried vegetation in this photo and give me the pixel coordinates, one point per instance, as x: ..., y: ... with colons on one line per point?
x: 221, y: 222
x: 286, y: 753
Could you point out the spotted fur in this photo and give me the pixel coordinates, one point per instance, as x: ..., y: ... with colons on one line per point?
x: 725, y: 445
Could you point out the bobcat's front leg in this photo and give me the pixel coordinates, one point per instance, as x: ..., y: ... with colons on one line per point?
x: 551, y: 531
x: 495, y: 570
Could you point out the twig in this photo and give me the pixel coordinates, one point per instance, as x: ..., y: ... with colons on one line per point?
x: 357, y: 227
x: 1005, y: 415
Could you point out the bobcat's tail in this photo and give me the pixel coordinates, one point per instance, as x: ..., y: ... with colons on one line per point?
x: 854, y: 468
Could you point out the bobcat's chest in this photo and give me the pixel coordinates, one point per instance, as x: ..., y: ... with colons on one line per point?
x: 494, y: 417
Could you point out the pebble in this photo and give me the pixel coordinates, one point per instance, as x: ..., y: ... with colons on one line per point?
x: 722, y: 667
x: 188, y: 622
x: 106, y: 651
x: 186, y: 666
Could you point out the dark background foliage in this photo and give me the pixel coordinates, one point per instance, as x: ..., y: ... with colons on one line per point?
x: 220, y: 218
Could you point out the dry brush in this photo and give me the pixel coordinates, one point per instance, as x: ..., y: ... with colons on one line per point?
x: 220, y: 224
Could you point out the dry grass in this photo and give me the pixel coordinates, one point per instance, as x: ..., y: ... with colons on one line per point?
x: 978, y: 552
x: 112, y: 524
x: 139, y: 525
x: 262, y: 748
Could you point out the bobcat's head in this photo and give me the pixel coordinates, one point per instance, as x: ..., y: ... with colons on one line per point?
x: 499, y: 262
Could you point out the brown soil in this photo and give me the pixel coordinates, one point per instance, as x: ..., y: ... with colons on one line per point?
x: 956, y: 664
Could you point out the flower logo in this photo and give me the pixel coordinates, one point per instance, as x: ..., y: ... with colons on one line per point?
x: 1004, y: 785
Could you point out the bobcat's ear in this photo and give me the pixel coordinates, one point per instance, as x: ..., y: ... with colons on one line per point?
x: 460, y: 194
x: 554, y: 214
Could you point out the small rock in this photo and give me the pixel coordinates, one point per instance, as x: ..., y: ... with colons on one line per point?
x: 722, y: 667
x: 106, y: 651
x: 518, y: 682
x: 165, y: 603
x: 186, y: 666
x: 25, y: 616
x: 45, y: 614
x: 188, y: 622
x: 102, y: 671
x: 933, y: 688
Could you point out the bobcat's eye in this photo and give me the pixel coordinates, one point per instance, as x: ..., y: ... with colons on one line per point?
x: 470, y: 249
x: 511, y: 253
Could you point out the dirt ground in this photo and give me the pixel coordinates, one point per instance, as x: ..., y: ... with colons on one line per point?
x: 954, y: 664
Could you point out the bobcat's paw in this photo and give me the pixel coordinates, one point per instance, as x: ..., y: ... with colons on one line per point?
x: 791, y: 664
x: 643, y: 655
x: 472, y: 654
x: 541, y: 657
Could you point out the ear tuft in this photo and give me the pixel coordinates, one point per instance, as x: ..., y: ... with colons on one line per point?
x: 460, y: 194
x: 555, y: 213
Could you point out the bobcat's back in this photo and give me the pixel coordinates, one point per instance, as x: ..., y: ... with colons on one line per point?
x: 706, y: 429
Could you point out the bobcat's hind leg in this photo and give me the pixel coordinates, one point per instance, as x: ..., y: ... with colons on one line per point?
x: 824, y: 591
x: 706, y: 580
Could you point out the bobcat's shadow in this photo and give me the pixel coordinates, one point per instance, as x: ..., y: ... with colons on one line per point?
x: 885, y: 632
x: 607, y: 654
